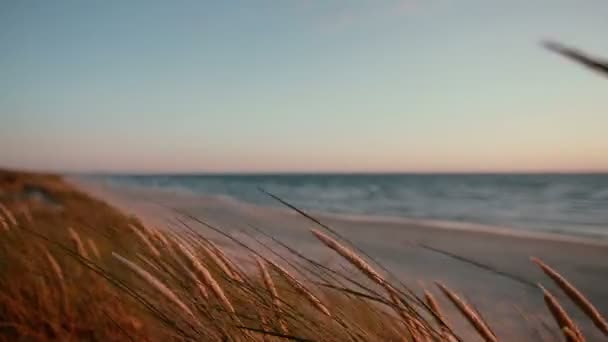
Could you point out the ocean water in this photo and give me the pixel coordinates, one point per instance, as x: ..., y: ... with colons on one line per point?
x: 555, y: 203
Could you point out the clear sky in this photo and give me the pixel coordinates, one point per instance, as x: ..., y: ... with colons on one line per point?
x: 301, y: 85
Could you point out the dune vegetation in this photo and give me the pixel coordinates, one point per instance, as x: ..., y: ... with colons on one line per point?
x: 75, y: 269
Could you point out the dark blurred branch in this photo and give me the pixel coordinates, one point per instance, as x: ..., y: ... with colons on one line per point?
x: 592, y: 63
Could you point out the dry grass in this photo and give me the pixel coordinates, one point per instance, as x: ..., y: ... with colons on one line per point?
x: 576, y: 296
x: 484, y: 331
x: 301, y: 289
x: 155, y: 283
x: 136, y: 283
x: 274, y: 294
x: 439, y: 317
x: 569, y: 328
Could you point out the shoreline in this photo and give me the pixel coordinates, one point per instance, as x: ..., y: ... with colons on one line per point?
x: 399, y: 246
x: 110, y: 193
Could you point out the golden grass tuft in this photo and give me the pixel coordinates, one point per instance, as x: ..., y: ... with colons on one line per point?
x: 77, y: 242
x: 561, y: 317
x: 144, y: 239
x: 55, y: 267
x: 484, y: 331
x: 575, y: 295
x: 10, y: 218
x: 571, y: 336
x: 221, y: 263
x: 301, y: 289
x: 4, y: 224
x: 274, y: 294
x: 438, y: 315
x: 350, y: 256
x: 411, y: 320
x: 208, y: 279
x: 93, y: 248
x: 155, y: 283
x: 219, y: 253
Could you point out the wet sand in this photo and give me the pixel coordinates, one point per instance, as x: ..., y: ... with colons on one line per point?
x: 502, y: 295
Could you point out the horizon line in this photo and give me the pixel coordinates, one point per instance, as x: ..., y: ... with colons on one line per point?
x: 303, y: 172
x: 337, y: 173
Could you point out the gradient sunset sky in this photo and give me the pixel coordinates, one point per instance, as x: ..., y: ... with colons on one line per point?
x: 301, y: 85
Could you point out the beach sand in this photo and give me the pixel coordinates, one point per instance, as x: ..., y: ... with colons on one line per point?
x: 506, y: 296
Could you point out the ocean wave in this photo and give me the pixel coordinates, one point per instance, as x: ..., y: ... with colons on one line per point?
x: 573, y: 205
